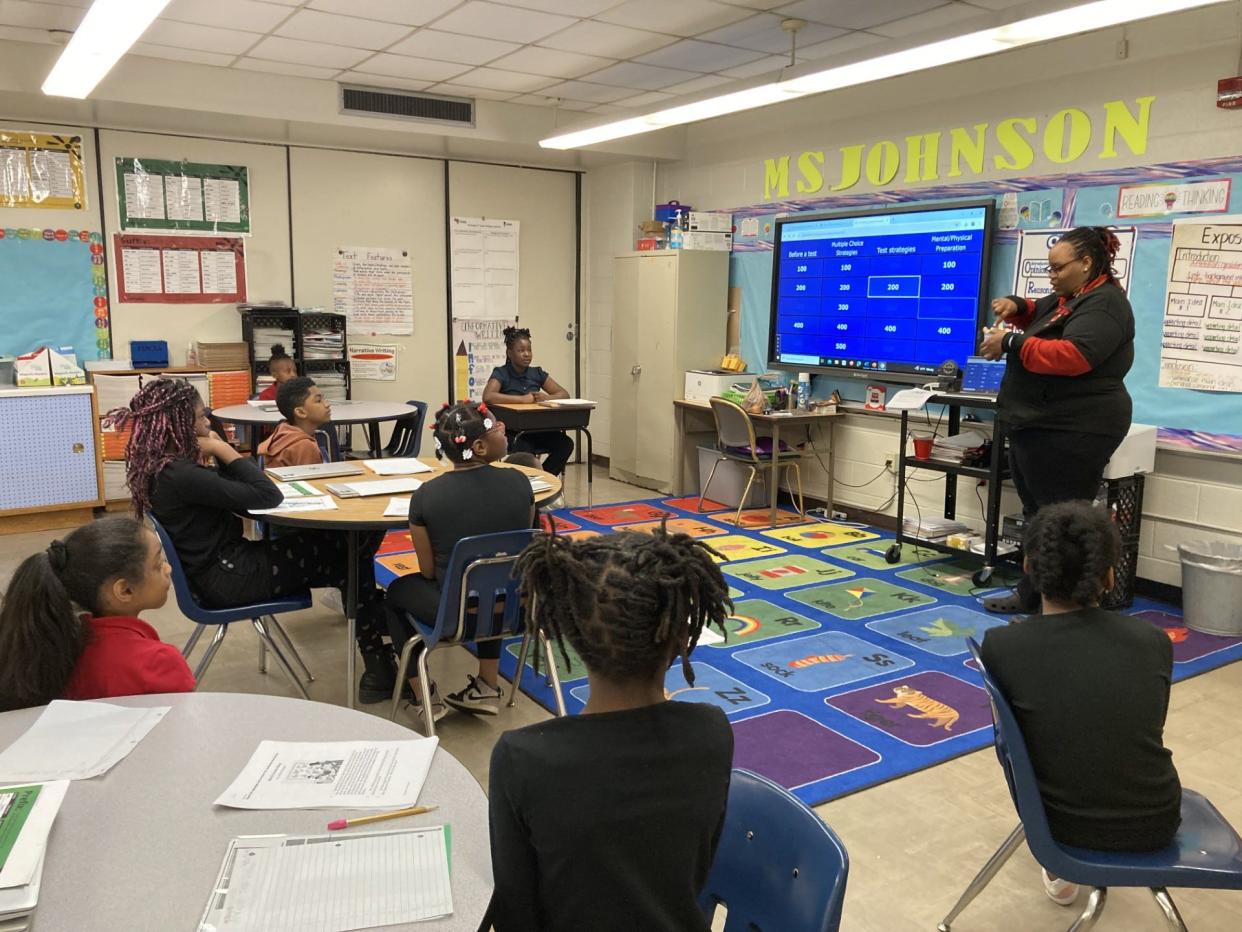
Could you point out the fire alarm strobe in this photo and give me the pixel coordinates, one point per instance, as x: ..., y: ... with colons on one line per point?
x: 1229, y: 93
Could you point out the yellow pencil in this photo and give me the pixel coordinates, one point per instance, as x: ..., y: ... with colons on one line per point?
x: 379, y: 817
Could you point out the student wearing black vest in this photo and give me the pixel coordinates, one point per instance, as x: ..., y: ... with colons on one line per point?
x: 1063, y: 398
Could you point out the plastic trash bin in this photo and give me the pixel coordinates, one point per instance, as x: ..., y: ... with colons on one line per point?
x: 1212, y: 587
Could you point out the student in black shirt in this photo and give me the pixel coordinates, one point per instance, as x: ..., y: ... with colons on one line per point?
x: 517, y: 381
x: 472, y: 498
x: 1090, y: 691
x: 609, y: 820
x: 198, y: 504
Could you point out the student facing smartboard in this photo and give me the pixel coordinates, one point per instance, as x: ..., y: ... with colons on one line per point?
x: 1064, y: 398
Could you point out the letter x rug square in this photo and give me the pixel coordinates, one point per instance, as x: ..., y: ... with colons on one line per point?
x: 838, y: 670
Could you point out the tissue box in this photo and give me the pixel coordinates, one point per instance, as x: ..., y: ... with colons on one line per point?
x: 45, y: 366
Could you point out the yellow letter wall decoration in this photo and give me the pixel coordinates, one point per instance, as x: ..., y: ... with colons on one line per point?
x: 776, y: 177
x: 811, y: 167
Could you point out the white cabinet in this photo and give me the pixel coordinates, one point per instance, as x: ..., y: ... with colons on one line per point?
x: 669, y: 314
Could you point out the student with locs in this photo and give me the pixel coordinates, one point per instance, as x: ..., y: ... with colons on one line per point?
x: 1090, y: 691
x: 609, y: 819
x: 198, y: 505
x: 1063, y: 398
x: 517, y: 381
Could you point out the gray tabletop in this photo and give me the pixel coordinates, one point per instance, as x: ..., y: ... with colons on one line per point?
x: 139, y: 847
x: 343, y: 412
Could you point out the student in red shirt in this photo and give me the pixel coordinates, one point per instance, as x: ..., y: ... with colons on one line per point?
x: 281, y: 367
x: 69, y: 626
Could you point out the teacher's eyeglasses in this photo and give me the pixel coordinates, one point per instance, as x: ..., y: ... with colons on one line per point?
x: 1051, y: 269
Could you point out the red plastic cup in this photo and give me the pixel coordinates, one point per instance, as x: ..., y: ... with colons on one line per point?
x: 922, y: 447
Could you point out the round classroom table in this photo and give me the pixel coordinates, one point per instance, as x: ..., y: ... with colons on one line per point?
x: 370, y: 413
x: 139, y: 848
x: 356, y: 516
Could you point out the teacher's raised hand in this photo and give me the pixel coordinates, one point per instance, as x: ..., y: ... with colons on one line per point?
x: 1003, y: 309
x: 990, y: 348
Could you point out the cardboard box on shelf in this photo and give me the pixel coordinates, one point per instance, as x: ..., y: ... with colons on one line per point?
x: 45, y: 366
x: 722, y: 242
x: 708, y: 222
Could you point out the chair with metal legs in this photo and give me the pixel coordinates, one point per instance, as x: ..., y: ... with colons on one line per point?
x: 553, y: 675
x: 1205, y: 853
x: 736, y: 442
x: 261, y: 615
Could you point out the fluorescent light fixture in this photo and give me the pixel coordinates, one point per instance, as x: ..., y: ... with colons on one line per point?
x: 105, y: 34
x: 1066, y: 22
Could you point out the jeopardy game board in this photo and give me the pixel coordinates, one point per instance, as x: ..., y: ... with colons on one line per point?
x: 838, y: 670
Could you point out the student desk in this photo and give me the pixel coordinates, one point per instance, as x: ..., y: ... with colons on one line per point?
x: 357, y: 516
x: 692, y: 416
x: 139, y: 848
x: 520, y: 418
x: 370, y: 413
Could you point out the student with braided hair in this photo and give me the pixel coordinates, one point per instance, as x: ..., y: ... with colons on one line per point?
x: 609, y: 820
x: 1063, y: 397
x: 282, y: 368
x: 1090, y: 690
x: 199, y: 506
x: 518, y: 382
x: 470, y: 499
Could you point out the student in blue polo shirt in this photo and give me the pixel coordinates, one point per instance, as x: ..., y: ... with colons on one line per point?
x: 517, y: 381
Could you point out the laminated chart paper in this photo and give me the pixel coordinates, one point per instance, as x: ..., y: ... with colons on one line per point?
x: 374, y: 289
x: 484, y: 259
x: 478, y: 348
x: 155, y: 194
x: 1201, y: 345
x: 41, y: 170
x: 1031, y: 276
x: 180, y: 269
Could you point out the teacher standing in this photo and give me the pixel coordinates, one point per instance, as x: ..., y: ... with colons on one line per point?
x: 1063, y: 398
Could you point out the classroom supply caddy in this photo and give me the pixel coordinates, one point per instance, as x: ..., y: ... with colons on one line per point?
x: 315, y: 339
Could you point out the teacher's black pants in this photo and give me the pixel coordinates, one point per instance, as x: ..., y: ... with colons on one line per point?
x: 1050, y: 466
x: 556, y: 443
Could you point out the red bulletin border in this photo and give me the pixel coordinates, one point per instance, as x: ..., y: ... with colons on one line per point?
x: 233, y: 244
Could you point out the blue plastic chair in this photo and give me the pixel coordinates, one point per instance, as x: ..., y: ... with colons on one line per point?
x: 1205, y: 853
x: 407, y: 432
x: 261, y: 615
x: 778, y: 867
x: 480, y: 570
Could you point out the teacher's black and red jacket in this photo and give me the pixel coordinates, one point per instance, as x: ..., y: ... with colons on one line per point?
x: 1067, y: 367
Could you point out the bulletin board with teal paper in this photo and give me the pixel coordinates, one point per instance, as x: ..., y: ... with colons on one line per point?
x: 53, y: 292
x: 1198, y: 419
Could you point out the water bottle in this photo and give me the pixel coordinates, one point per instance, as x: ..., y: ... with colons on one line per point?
x: 804, y: 390
x: 674, y: 237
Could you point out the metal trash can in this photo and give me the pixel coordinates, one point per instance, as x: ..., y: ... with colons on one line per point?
x: 1212, y: 587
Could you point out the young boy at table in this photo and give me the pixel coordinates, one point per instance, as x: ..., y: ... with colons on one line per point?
x: 305, y: 411
x: 609, y: 819
x: 470, y: 499
x: 518, y: 382
x: 198, y: 505
x: 282, y: 368
x: 69, y: 626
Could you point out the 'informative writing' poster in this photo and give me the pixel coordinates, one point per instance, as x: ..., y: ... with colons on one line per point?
x: 484, y: 262
x: 1201, y: 345
x: 374, y: 289
x: 478, y: 348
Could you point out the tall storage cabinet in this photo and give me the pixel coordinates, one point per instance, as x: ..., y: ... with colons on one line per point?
x: 668, y: 315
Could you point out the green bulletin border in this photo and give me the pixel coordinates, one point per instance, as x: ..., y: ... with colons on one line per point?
x: 237, y: 173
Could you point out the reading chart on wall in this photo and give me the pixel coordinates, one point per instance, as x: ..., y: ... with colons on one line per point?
x: 478, y: 348
x: 374, y: 289
x: 1201, y: 344
x: 179, y: 269
x: 41, y: 170
x: 484, y: 259
x: 1031, y: 270
x: 156, y: 194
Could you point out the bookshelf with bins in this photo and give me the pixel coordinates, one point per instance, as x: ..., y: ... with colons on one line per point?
x: 315, y: 339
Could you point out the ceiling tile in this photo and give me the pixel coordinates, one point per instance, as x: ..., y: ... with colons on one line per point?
x: 278, y: 48
x: 151, y: 50
x: 552, y: 62
x: 769, y: 65
x: 607, y: 108
x: 648, y: 101
x: 449, y: 46
x: 534, y: 100
x: 584, y: 90
x: 25, y: 34
x: 938, y: 18
x: 856, y: 14
x: 997, y: 4
x: 342, y: 30
x: 768, y: 36
x: 203, y: 38
x: 496, y: 79
x: 598, y: 38
x: 693, y: 55
x: 698, y: 85
x: 40, y: 15
x: 284, y: 67
x: 382, y: 81
x: 493, y: 21
x: 757, y: 4
x: 642, y: 77
x: 237, y: 14
x: 420, y: 69
x: 682, y: 18
x: 847, y: 43
x: 407, y: 12
x: 466, y: 90
x: 582, y: 8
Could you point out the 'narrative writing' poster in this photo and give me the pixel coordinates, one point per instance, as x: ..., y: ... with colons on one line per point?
x: 375, y: 362
x: 1031, y: 274
x: 484, y: 261
x: 374, y: 289
x: 41, y: 170
x: 1201, y: 345
x: 478, y: 348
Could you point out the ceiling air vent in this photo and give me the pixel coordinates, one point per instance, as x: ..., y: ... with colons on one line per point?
x: 406, y: 105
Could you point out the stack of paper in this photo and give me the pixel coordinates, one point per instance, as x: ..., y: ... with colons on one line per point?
x: 955, y: 448
x: 332, y: 383
x: 932, y: 528
x: 76, y: 741
x: 323, y: 344
x: 568, y: 403
x: 374, y: 487
x: 538, y: 484
x: 397, y: 466
x: 264, y: 338
x: 26, y: 817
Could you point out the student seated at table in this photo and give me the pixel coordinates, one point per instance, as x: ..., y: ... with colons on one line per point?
x: 609, y: 819
x: 1090, y: 691
x: 69, y: 626
x: 471, y: 498
x: 518, y: 382
x: 282, y: 368
x: 199, y: 505
x: 305, y: 411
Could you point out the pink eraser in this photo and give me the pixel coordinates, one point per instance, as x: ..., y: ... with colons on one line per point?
x: 339, y: 823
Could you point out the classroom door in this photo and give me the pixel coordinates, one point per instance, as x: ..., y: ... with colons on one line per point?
x: 545, y: 203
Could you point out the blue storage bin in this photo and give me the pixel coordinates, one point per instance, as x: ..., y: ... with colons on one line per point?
x: 667, y: 213
x: 148, y: 354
